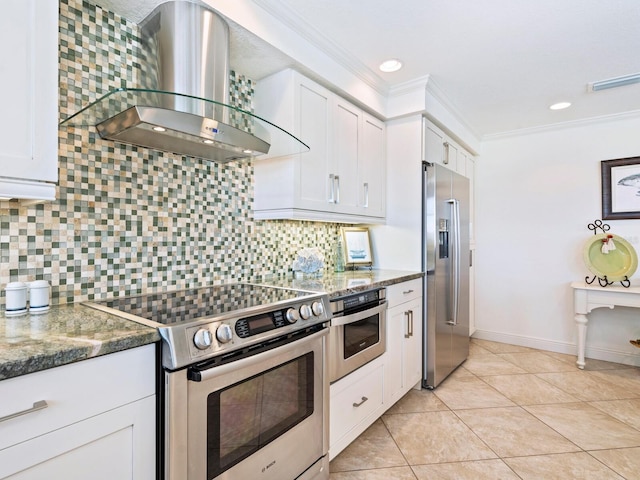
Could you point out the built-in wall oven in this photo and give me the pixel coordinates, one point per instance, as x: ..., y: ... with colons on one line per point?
x: 245, y: 386
x: 357, y: 332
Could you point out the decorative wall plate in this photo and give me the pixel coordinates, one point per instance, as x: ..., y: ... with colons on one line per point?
x: 615, y: 265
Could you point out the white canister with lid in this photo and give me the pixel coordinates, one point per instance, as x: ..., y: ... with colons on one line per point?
x: 39, y: 296
x: 15, y: 299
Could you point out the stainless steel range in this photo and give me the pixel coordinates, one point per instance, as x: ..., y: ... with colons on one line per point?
x: 245, y: 380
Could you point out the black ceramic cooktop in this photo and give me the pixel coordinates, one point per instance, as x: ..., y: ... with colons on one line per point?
x: 187, y: 305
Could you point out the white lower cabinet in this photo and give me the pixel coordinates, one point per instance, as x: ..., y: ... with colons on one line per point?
x: 403, y: 364
x: 360, y: 398
x: 357, y: 401
x: 99, y: 421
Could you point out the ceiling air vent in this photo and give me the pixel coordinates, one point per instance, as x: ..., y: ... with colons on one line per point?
x: 613, y: 82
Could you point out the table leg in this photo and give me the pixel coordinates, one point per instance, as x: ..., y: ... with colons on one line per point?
x: 581, y: 322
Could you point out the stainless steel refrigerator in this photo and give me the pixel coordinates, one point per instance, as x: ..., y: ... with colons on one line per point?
x: 445, y: 260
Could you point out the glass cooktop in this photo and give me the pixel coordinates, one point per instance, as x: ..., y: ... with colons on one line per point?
x: 184, y: 306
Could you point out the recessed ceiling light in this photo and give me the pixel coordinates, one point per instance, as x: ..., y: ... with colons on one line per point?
x: 247, y: 151
x: 159, y: 129
x: 392, y: 65
x: 560, y: 105
x: 208, y: 142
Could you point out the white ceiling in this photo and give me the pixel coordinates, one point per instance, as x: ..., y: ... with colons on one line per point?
x: 501, y: 63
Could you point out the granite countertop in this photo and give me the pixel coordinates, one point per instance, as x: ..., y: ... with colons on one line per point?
x: 65, y: 334
x: 344, y: 283
x: 70, y: 333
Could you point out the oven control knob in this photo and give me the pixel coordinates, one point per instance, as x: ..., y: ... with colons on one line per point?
x: 317, y: 308
x: 203, y: 339
x: 292, y: 315
x: 224, y: 333
x: 305, y: 312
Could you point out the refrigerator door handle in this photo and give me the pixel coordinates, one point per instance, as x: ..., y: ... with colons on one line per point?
x: 455, y: 263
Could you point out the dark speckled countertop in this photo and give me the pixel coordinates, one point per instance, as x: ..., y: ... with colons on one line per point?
x: 65, y: 334
x: 70, y: 333
x: 344, y: 283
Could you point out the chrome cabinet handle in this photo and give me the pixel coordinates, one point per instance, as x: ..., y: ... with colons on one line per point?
x: 364, y: 399
x: 407, y: 292
x: 337, y: 180
x: 411, y: 323
x: 332, y: 189
x: 39, y: 405
x: 445, y: 160
x: 407, y: 314
x: 366, y: 195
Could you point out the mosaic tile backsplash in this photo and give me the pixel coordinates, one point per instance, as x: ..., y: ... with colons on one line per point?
x: 130, y: 220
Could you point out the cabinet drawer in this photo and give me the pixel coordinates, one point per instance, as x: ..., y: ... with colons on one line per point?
x: 348, y: 405
x: 74, y: 392
x: 404, y: 292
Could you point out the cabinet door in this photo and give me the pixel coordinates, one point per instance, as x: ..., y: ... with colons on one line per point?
x: 412, y: 346
x: 434, y: 140
x: 29, y: 89
x: 346, y: 139
x: 396, y: 325
x: 116, y: 445
x: 315, y: 186
x: 372, y: 168
x: 403, y: 358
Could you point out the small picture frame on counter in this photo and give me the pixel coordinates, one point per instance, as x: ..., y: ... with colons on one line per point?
x: 357, y: 247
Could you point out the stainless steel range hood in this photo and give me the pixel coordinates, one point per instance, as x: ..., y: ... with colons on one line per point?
x: 184, y: 105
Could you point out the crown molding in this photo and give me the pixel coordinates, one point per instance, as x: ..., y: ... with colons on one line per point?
x: 632, y: 114
x: 419, y: 83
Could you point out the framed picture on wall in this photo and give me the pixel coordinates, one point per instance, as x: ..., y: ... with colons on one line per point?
x: 620, y: 188
x: 357, y: 246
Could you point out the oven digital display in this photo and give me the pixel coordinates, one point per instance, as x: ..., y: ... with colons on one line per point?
x: 260, y: 324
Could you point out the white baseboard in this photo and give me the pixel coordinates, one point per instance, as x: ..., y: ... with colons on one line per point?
x: 596, y: 353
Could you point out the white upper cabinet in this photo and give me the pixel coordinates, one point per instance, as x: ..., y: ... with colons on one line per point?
x: 341, y: 177
x: 29, y: 98
x: 372, y: 175
x: 440, y: 148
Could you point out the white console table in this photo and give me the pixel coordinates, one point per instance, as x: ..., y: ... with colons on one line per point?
x: 588, y: 297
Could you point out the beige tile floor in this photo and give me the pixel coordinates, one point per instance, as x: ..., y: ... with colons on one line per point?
x: 508, y: 412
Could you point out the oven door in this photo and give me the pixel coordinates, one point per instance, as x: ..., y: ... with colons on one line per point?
x: 264, y: 416
x: 356, y: 339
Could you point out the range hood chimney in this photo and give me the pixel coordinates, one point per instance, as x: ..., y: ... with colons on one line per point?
x: 184, y: 107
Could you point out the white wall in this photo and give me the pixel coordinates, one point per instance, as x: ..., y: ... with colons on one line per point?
x: 535, y: 195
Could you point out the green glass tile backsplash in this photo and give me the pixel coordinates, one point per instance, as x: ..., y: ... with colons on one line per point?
x: 130, y: 220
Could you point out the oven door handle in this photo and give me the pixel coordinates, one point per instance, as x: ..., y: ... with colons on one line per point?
x: 219, y: 370
x: 357, y: 316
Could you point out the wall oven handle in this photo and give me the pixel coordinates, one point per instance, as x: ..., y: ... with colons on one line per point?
x: 39, y: 405
x: 219, y: 370
x: 356, y: 317
x: 364, y: 399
